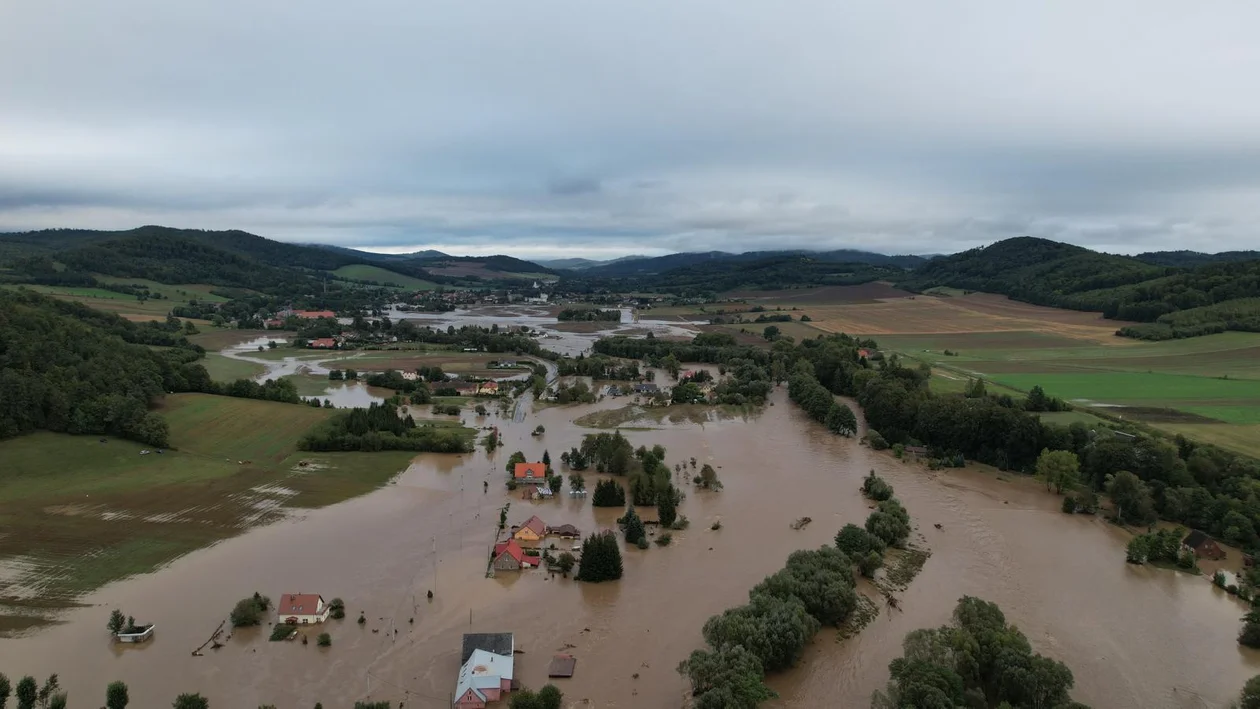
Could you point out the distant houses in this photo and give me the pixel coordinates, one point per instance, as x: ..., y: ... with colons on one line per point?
x: 313, y: 314
x: 530, y: 473
x: 487, y: 670
x: 302, y: 609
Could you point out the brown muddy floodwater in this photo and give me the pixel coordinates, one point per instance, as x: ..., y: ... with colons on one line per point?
x: 1134, y: 637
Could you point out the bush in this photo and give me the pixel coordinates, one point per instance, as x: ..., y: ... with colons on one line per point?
x: 338, y: 607
x: 1069, y: 504
x: 681, y: 523
x: 642, y: 543
x: 324, y: 640
x: 857, y: 542
x: 876, y: 488
x: 1218, y: 579
x: 890, y: 522
x: 876, y: 441
x: 870, y: 563
x: 249, y: 611
x: 664, y: 540
x: 282, y: 631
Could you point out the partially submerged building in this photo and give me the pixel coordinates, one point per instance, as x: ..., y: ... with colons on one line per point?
x: 487, y: 670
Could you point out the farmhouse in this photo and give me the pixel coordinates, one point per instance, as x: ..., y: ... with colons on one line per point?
x: 1203, y: 546
x: 313, y: 314
x: 273, y: 324
x: 509, y: 556
x: 532, y: 531
x: 530, y: 473
x: 487, y: 672
x: 323, y: 343
x: 490, y: 388
x: 302, y: 608
x: 464, y: 388
x: 564, y: 531
x: 410, y: 376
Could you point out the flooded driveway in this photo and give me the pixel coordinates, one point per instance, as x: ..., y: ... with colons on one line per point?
x: 1135, y: 637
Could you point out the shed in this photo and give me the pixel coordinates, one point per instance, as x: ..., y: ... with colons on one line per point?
x: 562, y: 666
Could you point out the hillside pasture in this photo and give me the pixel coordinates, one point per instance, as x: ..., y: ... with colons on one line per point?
x: 376, y: 274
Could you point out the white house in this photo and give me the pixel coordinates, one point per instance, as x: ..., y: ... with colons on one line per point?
x: 410, y: 376
x: 302, y: 608
x: 485, y: 677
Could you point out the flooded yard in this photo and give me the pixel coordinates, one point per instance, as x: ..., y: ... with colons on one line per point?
x: 1134, y: 636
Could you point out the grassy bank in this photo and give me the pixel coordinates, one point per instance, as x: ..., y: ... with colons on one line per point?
x: 78, y: 513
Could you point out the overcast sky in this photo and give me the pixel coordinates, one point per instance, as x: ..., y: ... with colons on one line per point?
x: 600, y: 129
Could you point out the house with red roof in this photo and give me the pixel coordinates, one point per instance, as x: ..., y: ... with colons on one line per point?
x: 322, y: 343
x: 509, y: 556
x: 490, y: 388
x: 314, y: 314
x: 302, y: 609
x: 530, y: 473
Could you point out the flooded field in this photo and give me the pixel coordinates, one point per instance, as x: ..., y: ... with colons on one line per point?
x: 1134, y: 637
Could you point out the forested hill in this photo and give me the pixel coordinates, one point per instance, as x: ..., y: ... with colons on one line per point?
x: 1175, y: 302
x: 713, y: 277
x: 225, y: 258
x: 66, y: 367
x: 1190, y: 259
x: 665, y: 264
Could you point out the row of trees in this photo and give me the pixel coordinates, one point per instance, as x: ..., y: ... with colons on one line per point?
x: 601, y: 558
x: 979, y: 660
x: 599, y: 367
x: 821, y: 405
x: 768, y: 634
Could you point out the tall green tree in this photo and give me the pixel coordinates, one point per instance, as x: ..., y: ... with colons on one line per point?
x: 1250, y: 698
x: 1131, y: 497
x: 27, y: 693
x: 116, y: 696
x: 1060, y: 469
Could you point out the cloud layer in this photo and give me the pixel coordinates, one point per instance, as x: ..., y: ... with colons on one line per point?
x: 600, y: 129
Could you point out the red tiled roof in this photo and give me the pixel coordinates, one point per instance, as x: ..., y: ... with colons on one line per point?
x: 324, y: 342
x: 532, y: 471
x: 299, y: 604
x: 313, y: 314
x: 512, y: 549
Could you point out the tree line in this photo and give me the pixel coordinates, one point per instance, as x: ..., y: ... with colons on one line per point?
x: 378, y: 428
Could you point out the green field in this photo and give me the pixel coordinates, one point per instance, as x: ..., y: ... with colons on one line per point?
x: 363, y: 272
x: 1206, y: 387
x: 130, y: 306
x: 226, y: 369
x: 77, y: 513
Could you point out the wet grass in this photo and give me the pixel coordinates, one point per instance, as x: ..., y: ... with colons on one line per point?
x: 226, y: 369
x: 77, y: 513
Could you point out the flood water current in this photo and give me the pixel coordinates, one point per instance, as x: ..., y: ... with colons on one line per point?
x: 1134, y: 637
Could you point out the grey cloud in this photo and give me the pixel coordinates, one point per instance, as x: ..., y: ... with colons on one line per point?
x: 637, y: 127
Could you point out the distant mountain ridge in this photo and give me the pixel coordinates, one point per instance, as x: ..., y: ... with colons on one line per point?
x: 1187, y: 259
x: 230, y: 258
x: 1176, y: 301
x: 663, y: 264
